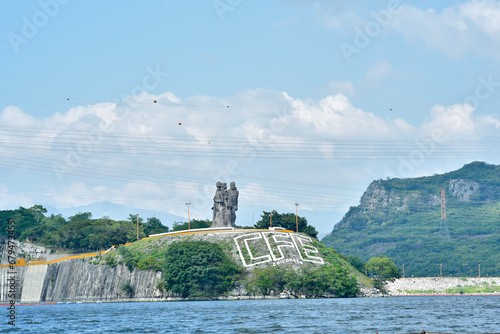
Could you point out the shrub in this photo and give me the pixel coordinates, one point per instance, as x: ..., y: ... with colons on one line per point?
x: 198, y: 268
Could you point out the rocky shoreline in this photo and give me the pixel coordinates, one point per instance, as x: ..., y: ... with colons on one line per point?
x: 424, y: 286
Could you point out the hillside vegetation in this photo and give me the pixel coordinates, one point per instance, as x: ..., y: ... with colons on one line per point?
x: 207, y: 265
x: 401, y: 218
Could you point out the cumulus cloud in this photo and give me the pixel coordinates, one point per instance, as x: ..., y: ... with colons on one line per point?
x: 336, y: 117
x: 455, y: 119
x: 471, y: 27
x: 13, y: 116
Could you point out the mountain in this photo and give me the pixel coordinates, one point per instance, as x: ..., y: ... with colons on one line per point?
x: 117, y: 212
x: 401, y: 218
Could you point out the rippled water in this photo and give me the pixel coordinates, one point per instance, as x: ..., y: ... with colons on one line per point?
x: 460, y: 314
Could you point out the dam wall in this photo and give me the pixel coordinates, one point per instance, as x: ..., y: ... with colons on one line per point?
x: 33, y: 283
x: 7, y: 290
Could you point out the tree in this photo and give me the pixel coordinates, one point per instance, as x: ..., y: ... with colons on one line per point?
x: 356, y: 262
x: 383, y: 267
x: 199, y: 268
x: 133, y: 219
x: 154, y: 226
x: 287, y: 221
x: 80, y: 216
x: 38, y: 212
x: 195, y: 223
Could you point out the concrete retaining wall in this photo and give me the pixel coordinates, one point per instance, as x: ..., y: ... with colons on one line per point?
x: 33, y: 283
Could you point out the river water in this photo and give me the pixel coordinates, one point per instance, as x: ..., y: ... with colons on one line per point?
x: 458, y: 314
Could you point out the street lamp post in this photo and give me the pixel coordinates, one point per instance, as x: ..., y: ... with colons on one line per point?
x: 137, y: 215
x: 189, y: 218
x: 296, y: 218
x: 270, y: 220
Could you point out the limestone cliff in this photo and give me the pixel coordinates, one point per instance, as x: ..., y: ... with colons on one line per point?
x: 79, y: 280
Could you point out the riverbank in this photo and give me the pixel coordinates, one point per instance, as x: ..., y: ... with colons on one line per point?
x: 429, y: 286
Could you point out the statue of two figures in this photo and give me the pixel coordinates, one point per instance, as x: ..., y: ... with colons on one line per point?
x: 225, y: 205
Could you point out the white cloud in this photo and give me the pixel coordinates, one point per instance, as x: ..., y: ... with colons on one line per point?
x: 471, y: 27
x: 485, y: 14
x: 15, y: 117
x: 336, y: 117
x: 491, y: 120
x: 455, y: 122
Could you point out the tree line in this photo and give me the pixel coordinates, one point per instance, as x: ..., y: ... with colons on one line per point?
x: 79, y: 232
x: 82, y: 232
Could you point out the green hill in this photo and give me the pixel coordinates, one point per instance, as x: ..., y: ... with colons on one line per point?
x: 401, y: 218
x: 213, y: 264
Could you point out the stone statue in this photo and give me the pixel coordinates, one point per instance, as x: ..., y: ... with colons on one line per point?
x: 226, y: 215
x: 232, y: 203
x: 218, y: 219
x: 225, y: 205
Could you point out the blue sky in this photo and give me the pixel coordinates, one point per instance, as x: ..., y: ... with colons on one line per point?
x: 323, y: 96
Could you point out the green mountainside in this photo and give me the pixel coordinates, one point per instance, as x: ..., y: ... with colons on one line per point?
x: 401, y: 219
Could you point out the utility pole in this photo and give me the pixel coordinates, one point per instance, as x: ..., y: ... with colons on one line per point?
x: 443, y: 227
x: 296, y: 218
x: 480, y: 270
x: 137, y: 215
x: 270, y: 220
x: 403, y: 271
x: 441, y: 270
x: 189, y: 218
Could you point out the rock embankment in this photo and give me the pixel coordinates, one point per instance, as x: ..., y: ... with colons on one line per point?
x: 440, y: 285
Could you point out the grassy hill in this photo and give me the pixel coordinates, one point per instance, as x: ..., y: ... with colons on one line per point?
x: 401, y: 218
x: 208, y: 264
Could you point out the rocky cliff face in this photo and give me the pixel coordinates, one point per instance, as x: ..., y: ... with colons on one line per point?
x: 463, y: 189
x: 377, y: 196
x: 80, y: 280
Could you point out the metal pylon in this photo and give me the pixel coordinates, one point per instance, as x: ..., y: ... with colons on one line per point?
x: 443, y: 229
x: 443, y: 226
